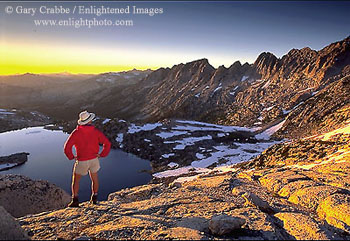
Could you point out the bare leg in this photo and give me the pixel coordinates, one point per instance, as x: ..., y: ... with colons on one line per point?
x: 75, y: 184
x: 94, y: 182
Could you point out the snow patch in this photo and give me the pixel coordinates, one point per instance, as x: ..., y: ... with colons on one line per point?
x: 166, y: 135
x: 106, y: 121
x: 221, y: 135
x: 285, y: 112
x: 4, y: 112
x: 168, y: 155
x: 301, y: 91
x: 180, y: 171
x: 218, y: 88
x: 147, y: 127
x: 190, y: 141
x: 173, y: 165
x: 269, y: 132
x: 244, y: 78
x: 119, y: 139
x: 209, y: 127
x: 314, y: 93
x: 200, y: 156
x: 266, y: 84
x: 269, y: 108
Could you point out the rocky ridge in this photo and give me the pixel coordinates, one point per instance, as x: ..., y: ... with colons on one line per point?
x: 62, y: 96
x: 288, y: 192
x: 257, y: 94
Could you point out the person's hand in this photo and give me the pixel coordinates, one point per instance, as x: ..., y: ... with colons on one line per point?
x: 98, y: 156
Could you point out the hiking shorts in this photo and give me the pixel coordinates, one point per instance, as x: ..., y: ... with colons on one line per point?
x: 83, y: 167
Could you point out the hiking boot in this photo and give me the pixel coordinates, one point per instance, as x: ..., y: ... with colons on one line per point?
x: 93, y: 199
x: 74, y: 203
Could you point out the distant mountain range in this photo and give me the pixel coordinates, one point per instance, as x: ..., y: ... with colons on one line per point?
x: 309, y: 88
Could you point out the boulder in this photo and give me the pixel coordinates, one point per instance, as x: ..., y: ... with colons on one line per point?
x: 20, y: 195
x: 224, y: 224
x: 258, y: 222
x: 10, y: 228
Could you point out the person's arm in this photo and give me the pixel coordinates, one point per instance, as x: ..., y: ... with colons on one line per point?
x: 68, y: 146
x: 106, y: 144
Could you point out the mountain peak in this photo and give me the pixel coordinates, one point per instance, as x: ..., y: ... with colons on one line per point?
x: 236, y: 64
x: 199, y: 61
x: 265, y: 59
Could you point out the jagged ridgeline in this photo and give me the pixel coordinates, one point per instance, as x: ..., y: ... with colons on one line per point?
x: 303, y: 84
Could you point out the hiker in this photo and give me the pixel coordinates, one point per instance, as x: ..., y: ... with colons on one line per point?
x: 86, y: 139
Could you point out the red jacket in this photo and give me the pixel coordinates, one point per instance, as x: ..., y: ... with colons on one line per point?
x: 86, y: 139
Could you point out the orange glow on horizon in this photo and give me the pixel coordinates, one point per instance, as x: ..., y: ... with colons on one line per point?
x: 72, y: 69
x: 21, y: 58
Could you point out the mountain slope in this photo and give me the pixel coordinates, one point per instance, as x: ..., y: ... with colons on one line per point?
x: 258, y: 94
x: 284, y: 83
x: 326, y: 110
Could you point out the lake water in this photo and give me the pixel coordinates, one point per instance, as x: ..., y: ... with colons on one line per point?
x: 47, y: 162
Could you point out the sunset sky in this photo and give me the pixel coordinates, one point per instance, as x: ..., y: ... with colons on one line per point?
x: 222, y: 32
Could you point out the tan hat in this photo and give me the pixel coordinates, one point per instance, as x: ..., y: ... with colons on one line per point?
x: 85, y: 117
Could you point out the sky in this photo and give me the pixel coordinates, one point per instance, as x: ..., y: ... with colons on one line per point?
x: 222, y: 32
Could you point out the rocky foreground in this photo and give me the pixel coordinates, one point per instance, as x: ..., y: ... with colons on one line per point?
x: 295, y: 190
x: 20, y: 195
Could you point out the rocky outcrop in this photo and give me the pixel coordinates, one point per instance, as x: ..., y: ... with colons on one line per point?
x: 335, y: 209
x: 224, y: 224
x: 312, y: 173
x: 302, y: 227
x: 20, y: 195
x: 7, y: 162
x: 203, y: 208
x: 10, y: 228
